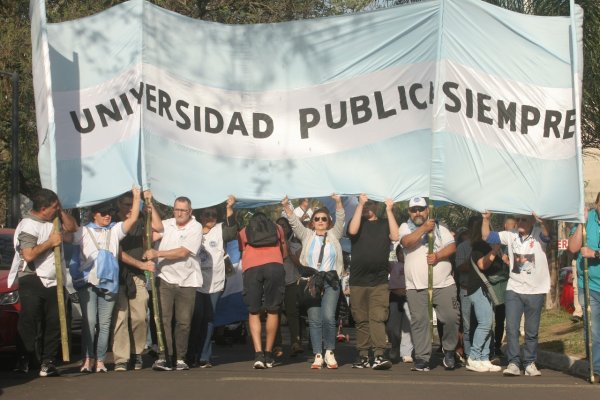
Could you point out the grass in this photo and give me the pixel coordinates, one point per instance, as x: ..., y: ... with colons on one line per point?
x: 561, y: 335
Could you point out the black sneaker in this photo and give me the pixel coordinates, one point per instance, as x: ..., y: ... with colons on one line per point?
x: 420, y: 366
x: 362, y: 362
x: 48, y: 369
x: 22, y: 365
x: 204, y: 364
x: 449, y: 361
x: 269, y: 361
x: 259, y: 361
x: 381, y: 363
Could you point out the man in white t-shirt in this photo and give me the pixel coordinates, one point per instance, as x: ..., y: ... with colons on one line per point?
x: 528, y: 284
x: 33, y: 266
x: 414, y: 241
x: 179, y: 276
x: 303, y: 211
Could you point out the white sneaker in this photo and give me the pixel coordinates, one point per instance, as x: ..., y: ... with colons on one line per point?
x: 318, y: 363
x: 407, y: 359
x: 476, y: 366
x: 330, y: 360
x: 491, y: 367
x: 512, y: 370
x: 531, y: 370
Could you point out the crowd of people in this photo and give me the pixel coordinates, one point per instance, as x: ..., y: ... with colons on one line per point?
x: 478, y: 282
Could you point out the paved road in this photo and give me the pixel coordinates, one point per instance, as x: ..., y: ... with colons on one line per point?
x: 233, y: 378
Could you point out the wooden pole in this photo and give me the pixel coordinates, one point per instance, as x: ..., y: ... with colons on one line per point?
x: 62, y: 315
x: 151, y: 276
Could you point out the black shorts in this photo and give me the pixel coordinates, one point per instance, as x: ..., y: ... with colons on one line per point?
x: 264, y: 287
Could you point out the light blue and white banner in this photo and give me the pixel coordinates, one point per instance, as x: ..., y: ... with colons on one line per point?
x: 457, y: 100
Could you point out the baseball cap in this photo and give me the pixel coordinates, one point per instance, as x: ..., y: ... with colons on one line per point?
x: 417, y: 201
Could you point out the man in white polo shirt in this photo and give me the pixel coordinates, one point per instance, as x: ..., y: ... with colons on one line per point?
x: 413, y: 238
x: 179, y: 271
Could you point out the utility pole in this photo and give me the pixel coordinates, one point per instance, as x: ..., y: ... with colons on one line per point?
x: 14, y: 209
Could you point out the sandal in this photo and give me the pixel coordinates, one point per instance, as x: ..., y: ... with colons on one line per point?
x: 100, y: 367
x: 86, y: 368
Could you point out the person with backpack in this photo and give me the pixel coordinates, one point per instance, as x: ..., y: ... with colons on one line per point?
x: 96, y: 276
x: 322, y: 252
x: 263, y: 248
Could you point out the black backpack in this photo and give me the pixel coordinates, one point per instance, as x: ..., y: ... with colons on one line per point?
x: 261, y: 231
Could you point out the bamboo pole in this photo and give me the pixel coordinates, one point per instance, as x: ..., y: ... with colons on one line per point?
x: 151, y: 276
x: 587, y: 308
x: 430, y: 277
x: 62, y: 315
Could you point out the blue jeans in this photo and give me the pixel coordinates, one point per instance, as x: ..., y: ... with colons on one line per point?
x: 465, y: 310
x: 516, y: 305
x: 208, y: 304
x: 595, y: 314
x: 95, y: 304
x: 482, y: 336
x: 321, y: 321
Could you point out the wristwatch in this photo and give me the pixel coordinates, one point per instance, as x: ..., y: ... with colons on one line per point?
x: 597, y: 254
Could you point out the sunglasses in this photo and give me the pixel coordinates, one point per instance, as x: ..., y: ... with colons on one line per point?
x: 209, y: 215
x: 322, y: 219
x: 105, y: 213
x: 417, y: 209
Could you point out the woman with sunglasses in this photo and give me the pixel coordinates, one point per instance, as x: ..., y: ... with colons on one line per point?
x: 215, y: 236
x: 321, y: 250
x: 96, y: 280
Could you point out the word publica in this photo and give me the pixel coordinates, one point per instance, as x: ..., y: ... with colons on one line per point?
x: 180, y: 111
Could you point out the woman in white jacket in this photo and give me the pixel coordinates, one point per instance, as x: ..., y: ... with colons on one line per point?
x: 321, y: 251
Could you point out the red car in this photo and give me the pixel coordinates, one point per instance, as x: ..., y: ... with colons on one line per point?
x: 9, y: 296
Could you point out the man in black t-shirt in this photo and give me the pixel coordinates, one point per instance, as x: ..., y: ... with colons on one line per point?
x: 369, y: 293
x: 130, y: 322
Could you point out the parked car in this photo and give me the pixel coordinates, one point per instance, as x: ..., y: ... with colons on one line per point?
x: 9, y: 296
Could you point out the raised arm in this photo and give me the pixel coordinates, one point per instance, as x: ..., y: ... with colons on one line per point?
x: 340, y: 216
x: 299, y: 229
x: 230, y: 226
x: 157, y: 225
x: 393, y: 224
x: 485, y: 224
x: 354, y: 225
x: 68, y: 221
x: 135, y: 210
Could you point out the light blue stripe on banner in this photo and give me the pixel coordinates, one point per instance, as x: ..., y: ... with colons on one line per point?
x: 485, y: 178
x: 525, y: 48
x: 86, y: 181
x: 293, y: 54
x: 257, y: 57
x: 401, y: 167
x: 89, y: 51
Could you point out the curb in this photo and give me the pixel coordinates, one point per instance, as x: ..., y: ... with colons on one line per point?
x: 562, y: 362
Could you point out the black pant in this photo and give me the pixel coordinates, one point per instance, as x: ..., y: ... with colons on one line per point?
x: 39, y: 311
